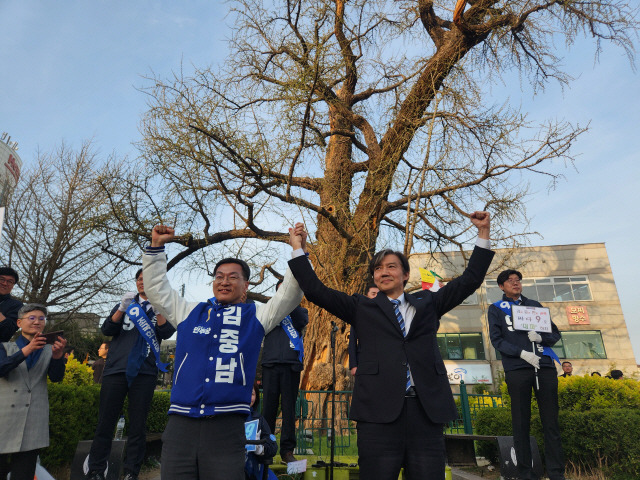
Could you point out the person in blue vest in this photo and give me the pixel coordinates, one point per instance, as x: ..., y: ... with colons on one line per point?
x: 282, y: 362
x: 216, y: 356
x: 131, y: 369
x: 527, y: 359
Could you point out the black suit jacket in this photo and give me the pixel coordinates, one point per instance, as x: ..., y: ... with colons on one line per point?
x: 378, y: 394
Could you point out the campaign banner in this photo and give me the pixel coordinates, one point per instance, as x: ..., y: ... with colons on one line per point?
x: 537, y: 319
x: 470, y: 373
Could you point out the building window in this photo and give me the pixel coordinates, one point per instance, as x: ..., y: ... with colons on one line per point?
x: 471, y: 299
x: 549, y: 289
x: 461, y: 346
x: 581, y: 344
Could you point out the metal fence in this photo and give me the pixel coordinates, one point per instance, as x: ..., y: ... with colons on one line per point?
x: 469, y: 404
x: 313, y: 413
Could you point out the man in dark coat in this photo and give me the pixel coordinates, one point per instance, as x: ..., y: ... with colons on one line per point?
x: 9, y: 306
x: 282, y: 357
x: 526, y: 368
x: 130, y: 371
x: 401, y: 398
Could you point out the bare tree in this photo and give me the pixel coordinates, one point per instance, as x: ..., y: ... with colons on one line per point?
x: 49, y: 240
x: 365, y: 118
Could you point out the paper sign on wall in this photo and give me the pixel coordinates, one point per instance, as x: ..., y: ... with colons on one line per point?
x: 531, y: 318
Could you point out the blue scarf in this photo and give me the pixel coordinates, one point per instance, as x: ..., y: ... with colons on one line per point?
x: 294, y: 337
x: 33, y: 358
x: 138, y: 355
x: 505, y: 306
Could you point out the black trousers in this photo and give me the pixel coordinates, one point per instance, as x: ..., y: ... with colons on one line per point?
x: 281, y: 383
x: 412, y: 441
x: 210, y: 448
x: 520, y: 382
x: 112, y: 394
x: 22, y: 465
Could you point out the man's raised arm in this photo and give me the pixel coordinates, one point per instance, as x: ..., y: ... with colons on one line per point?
x: 286, y: 298
x: 335, y: 302
x: 166, y: 300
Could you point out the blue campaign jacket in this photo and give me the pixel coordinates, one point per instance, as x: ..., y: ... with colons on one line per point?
x: 217, y: 346
x: 215, y: 363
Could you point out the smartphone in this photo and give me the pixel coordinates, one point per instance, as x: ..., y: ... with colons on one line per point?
x: 52, y: 336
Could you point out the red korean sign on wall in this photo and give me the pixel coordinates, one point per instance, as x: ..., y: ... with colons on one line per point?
x: 577, y: 315
x: 10, y: 165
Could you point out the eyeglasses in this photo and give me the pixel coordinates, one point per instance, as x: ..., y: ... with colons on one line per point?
x: 33, y: 318
x: 513, y: 281
x: 232, y: 277
x: 8, y: 280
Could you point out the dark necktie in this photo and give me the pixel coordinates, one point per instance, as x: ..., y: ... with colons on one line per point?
x: 396, y: 309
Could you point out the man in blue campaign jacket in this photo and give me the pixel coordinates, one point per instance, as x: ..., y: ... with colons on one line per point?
x: 522, y: 366
x: 215, y: 364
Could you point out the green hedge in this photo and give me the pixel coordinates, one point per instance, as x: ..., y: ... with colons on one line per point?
x: 594, y: 438
x: 581, y: 393
x: 585, y: 393
x: 73, y: 415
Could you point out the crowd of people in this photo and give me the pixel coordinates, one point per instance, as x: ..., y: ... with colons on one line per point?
x: 401, y: 398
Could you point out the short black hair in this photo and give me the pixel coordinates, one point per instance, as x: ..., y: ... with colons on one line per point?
x: 370, y: 285
x: 246, y: 271
x: 378, y: 257
x: 9, y: 272
x: 504, y: 276
x: 138, y: 273
x: 566, y: 361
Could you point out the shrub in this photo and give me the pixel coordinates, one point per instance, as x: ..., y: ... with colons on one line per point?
x: 492, y: 421
x: 77, y: 373
x: 591, y: 438
x: 585, y: 393
x: 73, y: 415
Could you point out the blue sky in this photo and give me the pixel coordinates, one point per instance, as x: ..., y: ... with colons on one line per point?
x: 71, y: 70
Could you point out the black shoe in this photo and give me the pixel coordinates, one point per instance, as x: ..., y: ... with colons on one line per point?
x: 94, y: 476
x: 287, y: 457
x: 130, y: 476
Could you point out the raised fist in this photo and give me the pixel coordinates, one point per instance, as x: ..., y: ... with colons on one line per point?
x: 161, y: 234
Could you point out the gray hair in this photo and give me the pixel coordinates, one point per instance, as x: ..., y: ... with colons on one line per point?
x: 32, y: 307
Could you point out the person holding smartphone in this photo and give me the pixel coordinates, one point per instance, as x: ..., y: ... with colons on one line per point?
x: 24, y: 417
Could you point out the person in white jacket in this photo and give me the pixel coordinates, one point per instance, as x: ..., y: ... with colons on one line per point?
x: 217, y: 351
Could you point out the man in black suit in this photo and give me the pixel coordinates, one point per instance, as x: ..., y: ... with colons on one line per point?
x: 9, y: 306
x: 401, y: 398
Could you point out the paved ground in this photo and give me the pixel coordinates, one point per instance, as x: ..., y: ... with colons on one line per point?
x: 456, y: 474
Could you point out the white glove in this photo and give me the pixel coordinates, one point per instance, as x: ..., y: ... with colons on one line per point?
x: 127, y: 298
x: 259, y: 450
x: 534, y: 337
x: 531, y: 358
